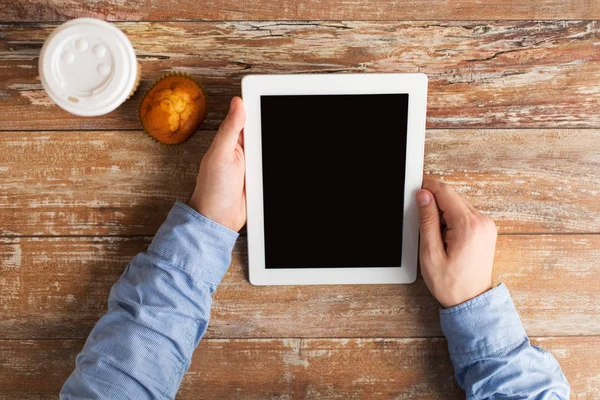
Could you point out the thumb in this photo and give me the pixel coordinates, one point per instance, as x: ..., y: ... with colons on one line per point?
x: 230, y: 130
x: 432, y: 244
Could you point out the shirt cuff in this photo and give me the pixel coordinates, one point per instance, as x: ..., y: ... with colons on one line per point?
x: 194, y: 244
x: 482, y: 327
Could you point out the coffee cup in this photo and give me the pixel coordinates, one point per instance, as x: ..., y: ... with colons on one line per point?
x: 88, y: 67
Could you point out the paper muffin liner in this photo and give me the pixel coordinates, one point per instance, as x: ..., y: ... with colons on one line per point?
x: 161, y: 77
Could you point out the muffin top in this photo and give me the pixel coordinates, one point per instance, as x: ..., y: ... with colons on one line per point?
x: 173, y: 109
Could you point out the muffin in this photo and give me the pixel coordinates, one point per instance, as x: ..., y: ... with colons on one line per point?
x: 173, y: 109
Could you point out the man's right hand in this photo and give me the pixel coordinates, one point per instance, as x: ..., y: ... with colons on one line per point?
x: 457, y: 245
x: 220, y: 194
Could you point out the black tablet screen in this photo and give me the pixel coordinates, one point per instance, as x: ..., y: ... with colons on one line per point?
x: 333, y: 179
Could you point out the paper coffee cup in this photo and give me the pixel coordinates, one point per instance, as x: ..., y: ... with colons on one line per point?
x: 88, y: 67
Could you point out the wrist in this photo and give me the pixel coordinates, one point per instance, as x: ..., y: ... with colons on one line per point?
x: 482, y: 326
x: 464, y: 297
x: 215, y: 218
x: 194, y: 203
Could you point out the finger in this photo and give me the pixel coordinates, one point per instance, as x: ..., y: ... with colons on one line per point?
x: 478, y: 214
x: 448, y: 200
x: 432, y: 244
x: 230, y: 130
x: 469, y: 205
x: 241, y: 139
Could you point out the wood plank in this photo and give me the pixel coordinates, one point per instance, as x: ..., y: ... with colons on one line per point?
x: 108, y: 183
x: 323, y: 369
x: 57, y: 10
x: 123, y: 183
x: 482, y: 74
x: 532, y: 181
x: 58, y: 287
x: 296, y: 368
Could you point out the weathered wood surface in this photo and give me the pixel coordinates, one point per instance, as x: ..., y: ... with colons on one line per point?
x: 297, y: 368
x: 58, y: 287
x: 65, y: 176
x: 124, y: 183
x: 154, y: 10
x: 90, y: 183
x: 482, y: 74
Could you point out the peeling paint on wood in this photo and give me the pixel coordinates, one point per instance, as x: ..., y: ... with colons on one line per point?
x: 540, y: 176
x: 61, y: 286
x: 378, y: 368
x: 122, y: 182
x: 482, y: 74
x: 46, y: 177
x: 154, y: 10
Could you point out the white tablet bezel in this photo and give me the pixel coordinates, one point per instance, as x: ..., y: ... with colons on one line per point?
x: 254, y: 86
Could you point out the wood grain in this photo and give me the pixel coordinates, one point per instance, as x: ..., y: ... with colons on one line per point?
x: 297, y: 368
x: 514, y: 118
x: 58, y: 10
x: 482, y: 74
x: 74, y: 183
x: 58, y: 287
x: 123, y: 183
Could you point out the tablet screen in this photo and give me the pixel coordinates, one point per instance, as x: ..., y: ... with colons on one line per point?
x: 333, y: 179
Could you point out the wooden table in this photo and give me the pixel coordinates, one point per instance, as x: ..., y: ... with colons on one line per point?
x: 513, y: 124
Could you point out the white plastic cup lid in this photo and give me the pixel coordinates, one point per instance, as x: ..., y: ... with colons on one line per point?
x: 88, y: 67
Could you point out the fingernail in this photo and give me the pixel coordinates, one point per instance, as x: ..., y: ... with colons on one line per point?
x: 232, y: 105
x: 423, y: 198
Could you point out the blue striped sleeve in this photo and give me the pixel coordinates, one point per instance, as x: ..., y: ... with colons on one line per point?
x: 492, y: 355
x: 157, y: 312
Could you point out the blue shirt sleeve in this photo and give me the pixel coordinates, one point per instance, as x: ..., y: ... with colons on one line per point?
x: 157, y: 313
x: 491, y: 353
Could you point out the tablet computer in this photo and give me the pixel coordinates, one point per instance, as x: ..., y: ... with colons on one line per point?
x: 333, y: 163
